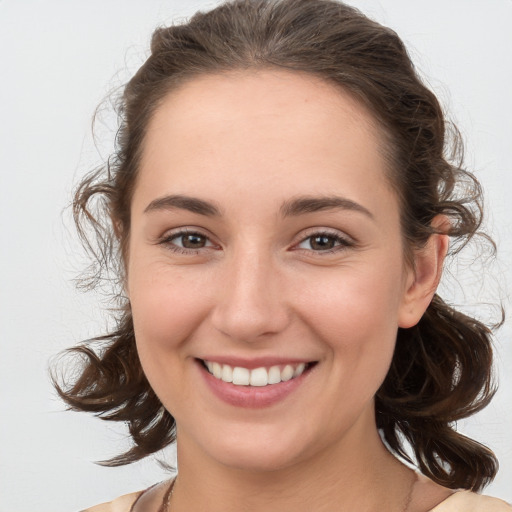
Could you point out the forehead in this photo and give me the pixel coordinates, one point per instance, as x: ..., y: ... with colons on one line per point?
x: 220, y: 101
x: 234, y: 130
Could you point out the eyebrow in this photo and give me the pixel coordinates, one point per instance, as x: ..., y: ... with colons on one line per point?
x: 293, y: 207
x: 310, y: 204
x: 192, y: 204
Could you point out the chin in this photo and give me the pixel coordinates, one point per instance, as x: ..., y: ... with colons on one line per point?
x: 258, y: 459
x: 256, y: 448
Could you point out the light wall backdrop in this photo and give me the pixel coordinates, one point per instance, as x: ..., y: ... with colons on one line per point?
x: 58, y: 60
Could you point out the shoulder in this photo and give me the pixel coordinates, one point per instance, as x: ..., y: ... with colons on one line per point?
x: 149, y: 499
x: 121, y: 504
x: 466, y: 501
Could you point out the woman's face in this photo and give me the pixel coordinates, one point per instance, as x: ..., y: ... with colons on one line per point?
x: 265, y: 242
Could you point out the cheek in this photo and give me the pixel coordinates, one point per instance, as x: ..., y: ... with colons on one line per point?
x: 166, y: 311
x: 356, y: 316
x: 166, y: 307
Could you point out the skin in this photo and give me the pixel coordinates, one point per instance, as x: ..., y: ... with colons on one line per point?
x: 249, y: 142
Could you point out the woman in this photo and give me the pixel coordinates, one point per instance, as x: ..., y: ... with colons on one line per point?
x: 282, y: 207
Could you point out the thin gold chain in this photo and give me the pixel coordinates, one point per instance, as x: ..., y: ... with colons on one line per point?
x: 408, y: 499
x: 167, y: 498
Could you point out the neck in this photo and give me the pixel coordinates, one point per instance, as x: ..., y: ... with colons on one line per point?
x: 357, y: 474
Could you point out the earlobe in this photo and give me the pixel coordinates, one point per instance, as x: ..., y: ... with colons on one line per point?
x: 424, y: 278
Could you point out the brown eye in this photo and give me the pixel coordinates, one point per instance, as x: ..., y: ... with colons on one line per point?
x: 187, y: 242
x: 322, y: 242
x: 192, y: 241
x: 325, y: 243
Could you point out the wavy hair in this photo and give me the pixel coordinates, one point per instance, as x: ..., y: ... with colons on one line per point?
x: 442, y: 367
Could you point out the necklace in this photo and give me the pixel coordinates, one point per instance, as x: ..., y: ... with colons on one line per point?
x: 166, y: 502
x: 408, y: 498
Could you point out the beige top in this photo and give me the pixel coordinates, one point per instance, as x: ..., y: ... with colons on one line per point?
x: 466, y: 501
x: 461, y: 501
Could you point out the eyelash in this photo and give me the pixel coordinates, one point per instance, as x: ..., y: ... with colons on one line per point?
x: 168, y: 241
x: 343, y: 243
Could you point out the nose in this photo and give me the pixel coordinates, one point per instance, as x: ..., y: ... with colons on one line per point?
x: 252, y: 303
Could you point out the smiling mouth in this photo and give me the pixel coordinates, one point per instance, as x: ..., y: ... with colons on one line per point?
x: 258, y: 377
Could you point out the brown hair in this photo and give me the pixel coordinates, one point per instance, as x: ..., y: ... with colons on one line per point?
x: 441, y: 370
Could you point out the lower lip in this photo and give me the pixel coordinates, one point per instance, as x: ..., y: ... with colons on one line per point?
x: 252, y: 397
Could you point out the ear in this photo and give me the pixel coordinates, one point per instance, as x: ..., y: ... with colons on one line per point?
x: 422, y: 280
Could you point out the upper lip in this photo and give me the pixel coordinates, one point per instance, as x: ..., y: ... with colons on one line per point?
x: 257, y: 362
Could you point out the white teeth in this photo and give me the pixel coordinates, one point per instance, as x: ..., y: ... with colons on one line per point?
x: 299, y: 370
x: 241, y: 376
x: 227, y: 373
x: 274, y: 375
x: 287, y: 373
x: 217, y: 370
x: 258, y: 377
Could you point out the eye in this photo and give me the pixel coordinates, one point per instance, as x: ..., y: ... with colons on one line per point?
x: 325, y: 242
x: 190, y: 240
x: 186, y: 241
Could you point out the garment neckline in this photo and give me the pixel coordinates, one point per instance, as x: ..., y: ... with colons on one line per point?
x: 171, y: 480
x: 442, y: 503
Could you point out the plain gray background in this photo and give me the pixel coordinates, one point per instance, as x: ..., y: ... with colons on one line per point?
x: 59, y: 58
